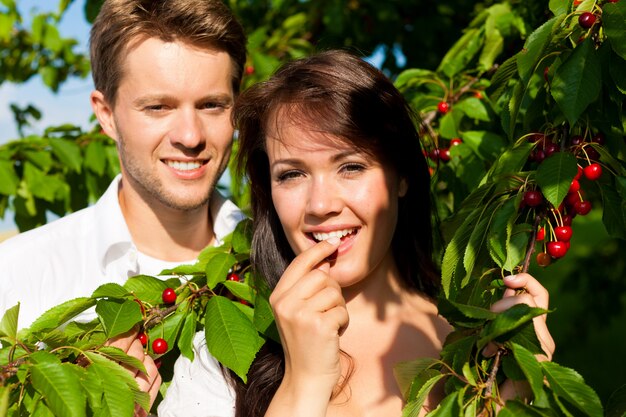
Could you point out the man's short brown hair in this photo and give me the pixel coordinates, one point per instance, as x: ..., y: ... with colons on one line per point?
x: 207, y: 24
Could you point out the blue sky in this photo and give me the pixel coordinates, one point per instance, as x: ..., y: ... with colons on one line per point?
x: 71, y: 103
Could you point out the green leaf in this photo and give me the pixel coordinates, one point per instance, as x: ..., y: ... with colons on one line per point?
x: 5, y: 391
x: 451, y: 265
x: 60, y: 388
x: 242, y: 236
x: 120, y: 391
x: 448, y: 124
x: 616, y: 404
x: 510, y: 161
x: 264, y: 318
x: 458, y: 352
x: 478, y: 239
x: 410, y: 77
x: 473, y: 108
x: 421, y: 387
x: 614, y: 208
x: 568, y: 384
x: 110, y: 290
x: 170, y: 327
x: 507, y: 321
x: 148, y: 289
x: 613, y: 18
x: 516, y: 246
x: 405, y: 371
x: 449, y: 406
x: 530, y: 367
x: 559, y: 7
x: 240, y: 290
x: 231, y: 337
x: 554, y: 176
x: 217, y: 268
x: 499, y: 231
x: 487, y: 145
x: 50, y: 77
x: 68, y: 153
x: 95, y: 157
x: 617, y: 69
x: 577, y: 82
x: 8, y: 325
x: 8, y: 179
x: 494, y: 43
x: 61, y: 313
x: 118, y: 355
x: 501, y: 78
x: 461, y: 52
x: 534, y: 48
x: 117, y: 316
x: 187, y: 333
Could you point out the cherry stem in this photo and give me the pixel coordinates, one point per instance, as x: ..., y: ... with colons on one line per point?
x: 494, y: 371
x: 531, y: 244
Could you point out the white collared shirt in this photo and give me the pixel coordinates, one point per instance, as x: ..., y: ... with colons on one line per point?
x: 72, y: 256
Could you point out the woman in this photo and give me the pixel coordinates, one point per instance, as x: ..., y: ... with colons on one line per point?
x: 340, y: 195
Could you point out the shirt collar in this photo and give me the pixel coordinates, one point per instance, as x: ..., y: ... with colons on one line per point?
x: 115, y: 240
x: 114, y: 237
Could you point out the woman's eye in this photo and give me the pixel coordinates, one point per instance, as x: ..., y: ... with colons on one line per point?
x: 155, y: 107
x: 352, y: 168
x: 288, y: 175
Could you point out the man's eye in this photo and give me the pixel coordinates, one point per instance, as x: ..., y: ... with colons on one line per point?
x: 352, y: 167
x: 155, y: 107
x: 213, y: 105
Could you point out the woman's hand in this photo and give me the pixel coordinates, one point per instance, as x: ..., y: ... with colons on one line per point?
x: 535, y: 295
x: 148, y: 382
x: 311, y: 315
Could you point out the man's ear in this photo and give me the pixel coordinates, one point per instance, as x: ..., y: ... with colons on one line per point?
x: 104, y: 113
x: 403, y: 187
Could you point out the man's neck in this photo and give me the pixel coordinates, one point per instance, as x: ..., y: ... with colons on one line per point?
x: 163, y: 232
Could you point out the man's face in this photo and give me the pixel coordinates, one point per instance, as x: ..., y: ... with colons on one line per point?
x: 171, y: 120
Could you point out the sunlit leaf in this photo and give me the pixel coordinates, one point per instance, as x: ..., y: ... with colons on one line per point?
x: 217, y: 268
x: 405, y: 372
x: 146, y: 288
x: 507, y: 321
x: 60, y: 388
x: 231, y: 337
x: 554, y: 176
x: 568, y: 383
x: 117, y: 316
x: 61, y: 313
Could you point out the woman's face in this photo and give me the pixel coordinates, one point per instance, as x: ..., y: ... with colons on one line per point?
x: 323, y: 186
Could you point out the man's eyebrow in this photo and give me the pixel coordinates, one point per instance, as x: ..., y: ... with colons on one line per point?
x: 157, y: 98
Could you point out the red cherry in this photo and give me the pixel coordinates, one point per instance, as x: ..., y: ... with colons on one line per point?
x: 543, y: 259
x: 541, y: 233
x: 563, y: 233
x: 444, y: 154
x: 592, y: 171
x: 143, y: 338
x: 599, y: 138
x: 249, y: 70
x: 567, y: 220
x: 612, y: 1
x: 533, y: 198
x: 582, y: 207
x: 456, y: 141
x: 169, y: 296
x: 586, y: 20
x: 571, y: 199
x: 536, y: 137
x: 159, y: 346
x: 443, y: 107
x: 556, y: 249
x: 579, y: 173
x: 551, y: 148
x: 574, y: 186
x: 592, y: 153
x: 478, y: 95
x: 233, y: 277
x: 546, y: 70
x: 577, y: 140
x: 434, y: 155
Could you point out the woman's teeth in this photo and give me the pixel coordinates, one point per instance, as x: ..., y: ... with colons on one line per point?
x: 335, y: 233
x: 184, y: 166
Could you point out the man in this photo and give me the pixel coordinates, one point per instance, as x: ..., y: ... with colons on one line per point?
x: 166, y: 74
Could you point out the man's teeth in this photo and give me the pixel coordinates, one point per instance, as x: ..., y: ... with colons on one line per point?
x: 335, y: 233
x: 184, y: 166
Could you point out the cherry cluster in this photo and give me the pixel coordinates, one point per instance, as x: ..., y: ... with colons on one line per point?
x: 555, y: 230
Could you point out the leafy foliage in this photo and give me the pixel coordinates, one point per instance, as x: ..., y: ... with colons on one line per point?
x: 532, y: 99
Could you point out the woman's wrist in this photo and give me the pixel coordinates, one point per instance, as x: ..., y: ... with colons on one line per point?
x: 304, y: 397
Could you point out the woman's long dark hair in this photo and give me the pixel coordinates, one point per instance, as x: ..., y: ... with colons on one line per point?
x: 339, y: 94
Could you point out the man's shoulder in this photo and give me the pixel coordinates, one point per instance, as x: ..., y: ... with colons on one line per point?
x: 52, y: 235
